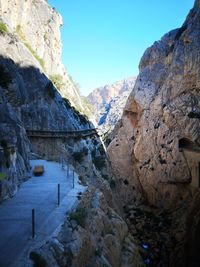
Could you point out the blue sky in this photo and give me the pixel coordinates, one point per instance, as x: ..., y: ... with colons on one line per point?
x: 103, y: 40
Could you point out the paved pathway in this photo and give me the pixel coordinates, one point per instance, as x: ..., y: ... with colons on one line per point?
x: 39, y: 193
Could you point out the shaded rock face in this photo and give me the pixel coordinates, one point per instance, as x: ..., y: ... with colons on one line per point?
x: 34, y: 98
x: 14, y: 147
x: 108, y: 103
x: 160, y: 122
x: 37, y: 26
x: 29, y: 99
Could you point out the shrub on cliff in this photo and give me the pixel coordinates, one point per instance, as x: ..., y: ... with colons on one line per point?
x: 78, y: 155
x: 3, y: 29
x: 57, y: 80
x: 2, y: 176
x: 79, y: 216
x: 26, y: 43
x: 98, y: 160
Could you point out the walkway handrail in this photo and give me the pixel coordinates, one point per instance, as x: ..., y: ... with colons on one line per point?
x: 60, y: 134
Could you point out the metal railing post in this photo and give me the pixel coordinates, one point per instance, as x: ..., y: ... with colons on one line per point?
x: 73, y: 178
x: 33, y: 223
x: 68, y: 171
x: 58, y: 194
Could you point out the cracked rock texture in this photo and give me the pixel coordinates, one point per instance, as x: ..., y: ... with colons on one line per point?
x: 160, y: 122
x: 156, y: 149
x: 14, y: 147
x: 108, y: 103
x: 29, y: 100
x: 37, y: 25
x: 102, y: 239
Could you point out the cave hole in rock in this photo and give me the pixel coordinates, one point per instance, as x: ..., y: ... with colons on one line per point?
x: 185, y: 143
x: 194, y: 115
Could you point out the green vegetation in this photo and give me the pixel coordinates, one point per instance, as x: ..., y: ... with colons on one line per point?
x: 2, y: 176
x: 45, y: 36
x: 34, y: 2
x: 79, y: 216
x: 3, y: 29
x: 87, y: 106
x: 25, y: 42
x: 5, y: 77
x: 37, y: 259
x: 81, y: 117
x: 78, y: 155
x: 57, y: 80
x: 99, y: 161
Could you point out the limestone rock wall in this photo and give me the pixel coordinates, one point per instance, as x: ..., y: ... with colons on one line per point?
x: 160, y: 123
x: 108, y: 103
x: 100, y: 238
x: 37, y: 25
x: 14, y: 148
x: 30, y: 49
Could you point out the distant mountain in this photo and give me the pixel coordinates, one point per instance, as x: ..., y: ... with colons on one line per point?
x: 108, y: 103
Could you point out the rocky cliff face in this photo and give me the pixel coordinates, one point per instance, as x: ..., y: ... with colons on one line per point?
x: 156, y: 150
x: 29, y: 99
x: 108, y: 103
x: 14, y: 147
x: 160, y: 122
x: 102, y: 95
x: 29, y: 54
x: 37, y: 26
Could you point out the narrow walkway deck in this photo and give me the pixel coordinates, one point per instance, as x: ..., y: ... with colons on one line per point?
x: 39, y: 193
x: 61, y: 134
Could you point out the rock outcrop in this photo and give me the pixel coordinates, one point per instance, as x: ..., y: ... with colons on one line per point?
x: 14, y: 148
x: 37, y: 26
x: 108, y: 103
x: 160, y: 126
x: 156, y: 150
x: 94, y: 235
x: 29, y: 99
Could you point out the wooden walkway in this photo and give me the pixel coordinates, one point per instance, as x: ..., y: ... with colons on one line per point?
x: 61, y: 134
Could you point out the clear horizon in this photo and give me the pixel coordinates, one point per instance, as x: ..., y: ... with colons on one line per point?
x: 104, y: 41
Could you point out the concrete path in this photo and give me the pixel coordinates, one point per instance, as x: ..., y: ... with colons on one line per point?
x: 39, y: 193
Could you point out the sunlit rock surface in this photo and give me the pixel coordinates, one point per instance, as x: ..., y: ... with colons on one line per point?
x: 36, y: 26
x: 108, y: 103
x: 161, y: 117
x: 156, y: 150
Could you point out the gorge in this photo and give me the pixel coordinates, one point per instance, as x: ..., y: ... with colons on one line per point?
x: 141, y: 205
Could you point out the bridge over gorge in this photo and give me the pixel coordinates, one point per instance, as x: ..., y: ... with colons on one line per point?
x: 49, y: 144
